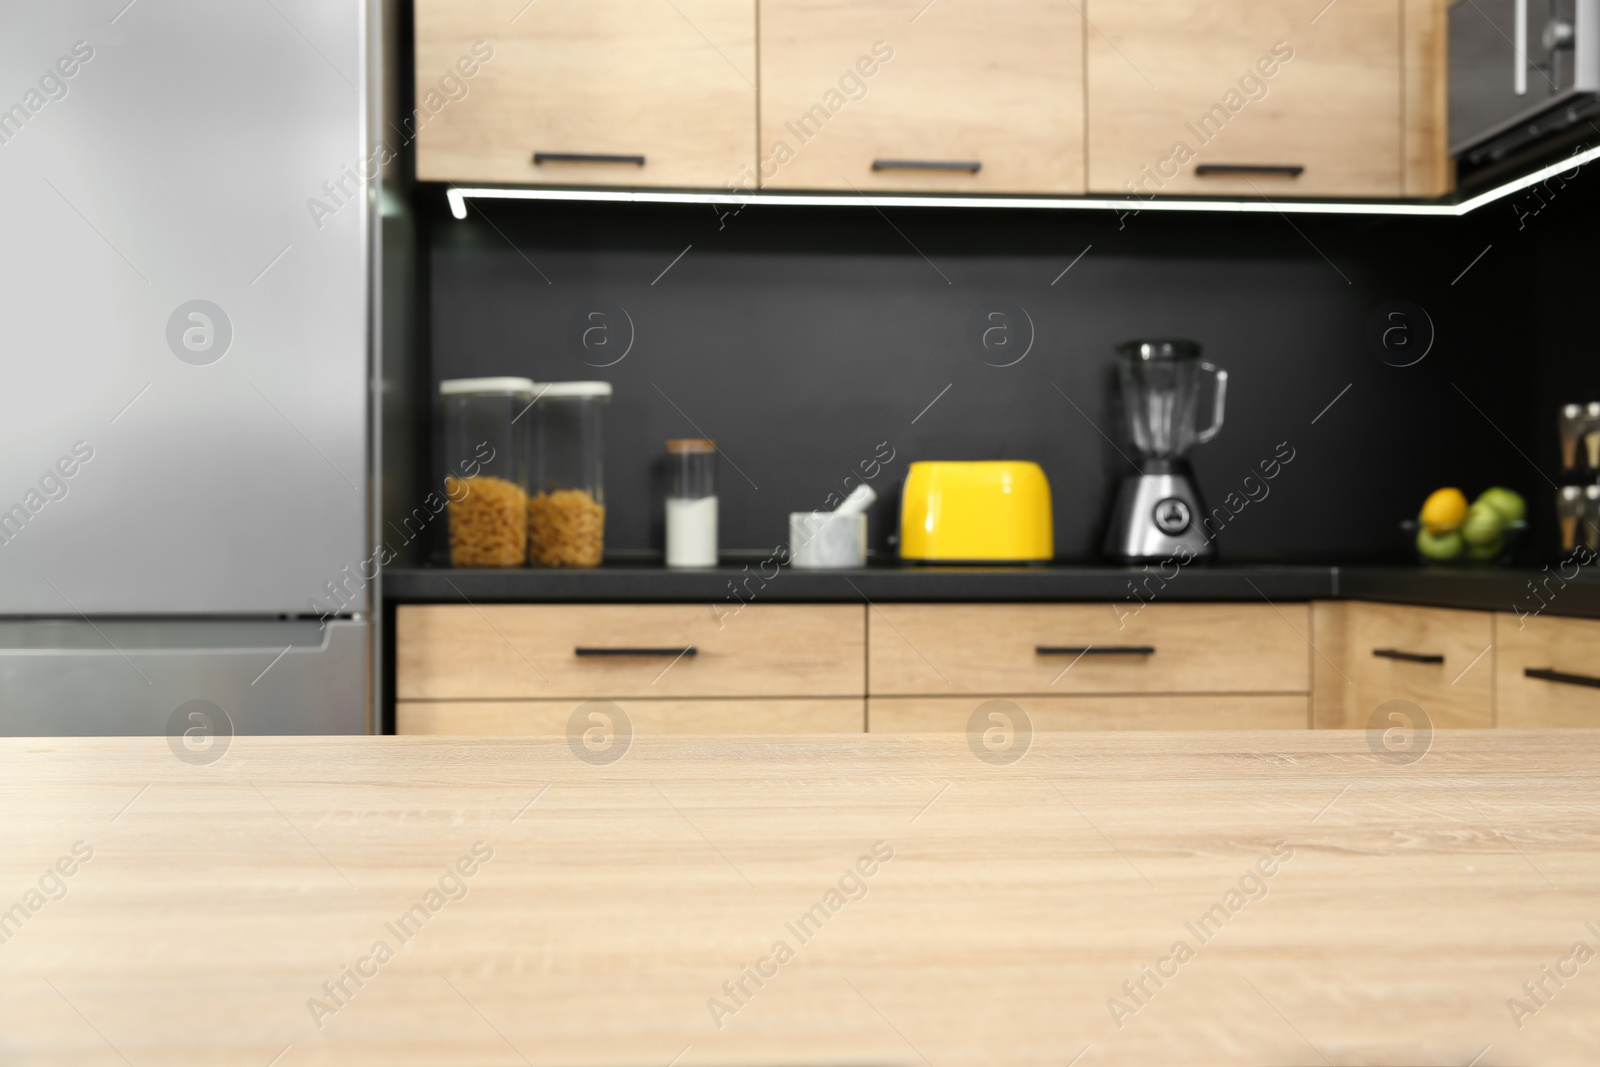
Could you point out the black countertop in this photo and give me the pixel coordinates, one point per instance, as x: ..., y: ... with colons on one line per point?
x: 1510, y: 590
x: 890, y: 582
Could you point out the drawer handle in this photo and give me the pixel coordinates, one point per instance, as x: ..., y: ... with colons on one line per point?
x: 1409, y: 657
x: 540, y: 158
x: 967, y: 166
x: 1545, y: 674
x: 689, y: 650
x: 1225, y: 170
x: 1095, y: 650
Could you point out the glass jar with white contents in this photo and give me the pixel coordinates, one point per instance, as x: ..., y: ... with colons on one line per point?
x: 691, y: 503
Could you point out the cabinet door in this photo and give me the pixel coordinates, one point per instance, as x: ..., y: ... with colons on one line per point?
x: 663, y: 92
x: 1180, y: 91
x: 951, y: 96
x: 1548, y: 672
x: 1438, y: 659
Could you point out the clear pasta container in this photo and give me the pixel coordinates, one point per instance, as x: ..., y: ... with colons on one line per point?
x: 486, y: 469
x: 567, y: 505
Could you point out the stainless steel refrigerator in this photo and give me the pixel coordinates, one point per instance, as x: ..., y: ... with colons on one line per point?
x: 186, y: 434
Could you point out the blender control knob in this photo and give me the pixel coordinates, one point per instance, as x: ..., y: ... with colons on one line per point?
x: 1172, y: 516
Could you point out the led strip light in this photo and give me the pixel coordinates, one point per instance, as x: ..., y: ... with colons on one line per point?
x: 459, y: 195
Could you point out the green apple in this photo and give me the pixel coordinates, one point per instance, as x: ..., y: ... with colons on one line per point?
x: 1484, y: 524
x: 1440, y: 546
x: 1485, y: 551
x: 1509, y: 504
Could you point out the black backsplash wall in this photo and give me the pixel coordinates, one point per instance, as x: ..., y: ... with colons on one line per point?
x: 803, y: 339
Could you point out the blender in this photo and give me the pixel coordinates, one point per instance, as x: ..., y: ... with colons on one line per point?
x: 1158, y: 513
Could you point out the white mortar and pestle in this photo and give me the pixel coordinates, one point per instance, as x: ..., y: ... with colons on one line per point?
x: 824, y: 540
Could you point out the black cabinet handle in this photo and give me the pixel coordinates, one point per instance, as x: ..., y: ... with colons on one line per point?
x: 1224, y: 170
x: 969, y: 166
x: 540, y: 158
x: 1095, y: 650
x: 680, y: 651
x: 1409, y: 657
x: 1545, y: 674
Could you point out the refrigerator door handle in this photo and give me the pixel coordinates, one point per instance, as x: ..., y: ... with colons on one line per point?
x: 1519, y: 69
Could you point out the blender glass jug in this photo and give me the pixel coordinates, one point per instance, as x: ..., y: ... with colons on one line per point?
x: 1161, y: 392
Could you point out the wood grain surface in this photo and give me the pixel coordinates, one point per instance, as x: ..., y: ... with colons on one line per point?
x: 1156, y: 67
x: 465, y: 652
x: 1351, y: 682
x: 945, y: 649
x: 1370, y: 913
x: 1425, y: 61
x: 1546, y: 641
x: 550, y: 718
x: 994, y: 82
x: 1227, y: 711
x: 672, y: 82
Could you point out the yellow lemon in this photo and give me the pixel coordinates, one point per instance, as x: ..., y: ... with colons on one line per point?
x: 1444, y: 510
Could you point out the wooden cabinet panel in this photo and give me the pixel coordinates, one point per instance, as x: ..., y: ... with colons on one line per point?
x: 1439, y: 659
x: 1429, y: 169
x: 995, y: 83
x: 1178, y: 85
x: 904, y: 715
x: 1568, y: 647
x: 532, y: 651
x: 941, y: 649
x: 532, y: 718
x: 674, y: 83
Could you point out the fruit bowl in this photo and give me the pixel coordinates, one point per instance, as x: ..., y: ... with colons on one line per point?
x: 1484, y: 533
x: 1510, y: 536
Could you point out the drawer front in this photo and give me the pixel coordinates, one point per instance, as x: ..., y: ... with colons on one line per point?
x: 1570, y: 648
x: 1176, y: 85
x: 666, y: 90
x: 1440, y: 660
x: 943, y: 649
x: 996, y: 83
x: 551, y: 718
x: 593, y: 651
x: 914, y: 715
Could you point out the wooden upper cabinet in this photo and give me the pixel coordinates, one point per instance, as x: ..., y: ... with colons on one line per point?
x: 673, y: 84
x: 1429, y: 169
x: 953, y: 96
x: 1179, y: 90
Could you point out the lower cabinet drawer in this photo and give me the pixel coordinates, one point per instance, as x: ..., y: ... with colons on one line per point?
x: 1547, y: 672
x: 948, y: 649
x: 907, y: 715
x: 1439, y: 659
x: 555, y: 718
x: 658, y: 651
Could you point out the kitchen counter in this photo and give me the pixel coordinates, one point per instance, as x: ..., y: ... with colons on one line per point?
x: 504, y: 902
x: 1513, y: 589
x: 1483, y: 589
x: 877, y: 582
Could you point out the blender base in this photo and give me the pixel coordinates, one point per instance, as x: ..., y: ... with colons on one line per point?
x: 1157, y: 516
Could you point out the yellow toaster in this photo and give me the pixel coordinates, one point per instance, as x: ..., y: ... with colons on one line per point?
x: 995, y: 511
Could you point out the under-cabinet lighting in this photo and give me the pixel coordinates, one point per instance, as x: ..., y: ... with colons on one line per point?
x: 459, y: 195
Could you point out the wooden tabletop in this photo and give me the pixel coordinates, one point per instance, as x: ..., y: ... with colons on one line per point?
x: 1283, y: 898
